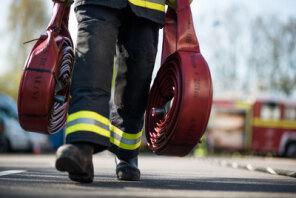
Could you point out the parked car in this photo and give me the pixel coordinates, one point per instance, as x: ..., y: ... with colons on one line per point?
x: 12, y: 136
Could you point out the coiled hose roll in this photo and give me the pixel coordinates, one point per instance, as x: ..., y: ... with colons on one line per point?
x: 44, y: 88
x: 180, y: 99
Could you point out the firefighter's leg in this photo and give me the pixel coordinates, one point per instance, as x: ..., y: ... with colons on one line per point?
x: 138, y: 43
x: 88, y: 120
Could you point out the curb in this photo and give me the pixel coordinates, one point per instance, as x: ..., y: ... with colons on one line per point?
x: 250, y: 167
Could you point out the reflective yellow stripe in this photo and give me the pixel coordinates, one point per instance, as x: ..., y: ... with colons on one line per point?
x: 103, y: 132
x: 102, y: 119
x: 285, y: 124
x: 124, y: 134
x: 88, y: 114
x: 87, y: 127
x: 93, y: 127
x: 148, y: 4
x: 125, y: 146
x: 122, y: 145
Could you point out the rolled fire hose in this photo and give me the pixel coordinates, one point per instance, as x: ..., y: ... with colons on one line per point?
x: 43, y: 96
x: 180, y: 98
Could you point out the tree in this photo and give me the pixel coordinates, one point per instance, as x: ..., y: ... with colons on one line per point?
x: 26, y: 20
x: 228, y: 52
x: 274, y: 54
x: 251, y: 54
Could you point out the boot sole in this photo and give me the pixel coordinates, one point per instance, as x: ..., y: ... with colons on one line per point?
x: 76, y: 172
x: 128, y: 174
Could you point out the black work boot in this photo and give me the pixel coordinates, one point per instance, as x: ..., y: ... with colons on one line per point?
x: 127, y: 169
x: 76, y: 159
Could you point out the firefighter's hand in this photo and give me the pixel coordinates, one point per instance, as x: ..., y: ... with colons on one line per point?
x: 68, y: 2
x: 173, y: 3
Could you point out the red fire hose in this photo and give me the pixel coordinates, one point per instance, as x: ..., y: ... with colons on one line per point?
x: 180, y: 99
x: 44, y: 88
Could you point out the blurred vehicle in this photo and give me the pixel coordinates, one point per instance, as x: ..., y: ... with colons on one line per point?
x: 12, y: 136
x: 263, y: 126
x: 228, y: 129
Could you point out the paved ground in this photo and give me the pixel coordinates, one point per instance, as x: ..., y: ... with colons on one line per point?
x: 275, y: 163
x: 34, y: 176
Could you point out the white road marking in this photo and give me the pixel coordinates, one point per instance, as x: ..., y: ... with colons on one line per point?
x: 10, y: 172
x: 234, y: 165
x: 250, y: 167
x: 271, y: 171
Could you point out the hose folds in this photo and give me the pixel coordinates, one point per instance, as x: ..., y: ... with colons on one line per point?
x: 180, y: 99
x: 44, y: 88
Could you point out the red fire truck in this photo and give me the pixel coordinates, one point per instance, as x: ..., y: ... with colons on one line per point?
x: 263, y: 126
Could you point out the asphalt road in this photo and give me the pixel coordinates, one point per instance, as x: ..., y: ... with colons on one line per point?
x: 35, y: 176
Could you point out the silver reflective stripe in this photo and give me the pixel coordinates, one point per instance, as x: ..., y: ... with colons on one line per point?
x: 87, y: 121
x: 101, y: 125
x: 124, y: 140
x: 157, y: 1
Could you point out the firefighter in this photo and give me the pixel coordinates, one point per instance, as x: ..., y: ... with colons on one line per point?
x: 94, y: 124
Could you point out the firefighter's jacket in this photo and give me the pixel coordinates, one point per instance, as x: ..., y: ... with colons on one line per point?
x: 153, y: 10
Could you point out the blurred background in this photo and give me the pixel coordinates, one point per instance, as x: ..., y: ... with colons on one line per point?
x: 250, y: 47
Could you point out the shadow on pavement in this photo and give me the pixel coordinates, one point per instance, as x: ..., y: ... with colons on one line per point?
x: 51, y: 178
x: 212, y: 184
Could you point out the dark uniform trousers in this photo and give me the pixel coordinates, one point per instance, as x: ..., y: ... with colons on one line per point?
x: 100, y: 29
